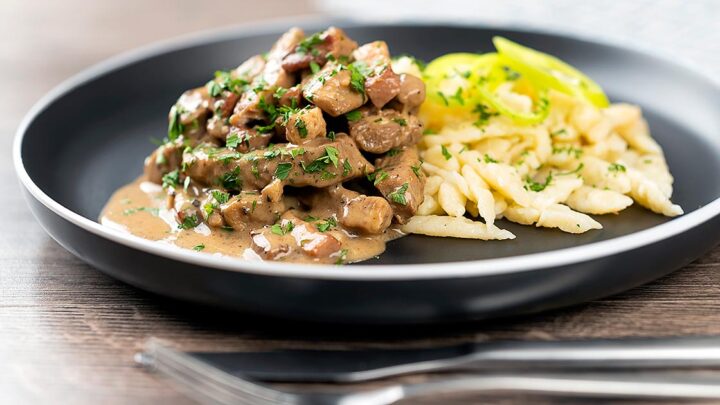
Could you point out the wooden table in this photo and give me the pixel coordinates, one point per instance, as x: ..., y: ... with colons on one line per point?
x: 68, y: 332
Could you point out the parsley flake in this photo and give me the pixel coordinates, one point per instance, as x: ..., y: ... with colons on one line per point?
x: 283, y: 170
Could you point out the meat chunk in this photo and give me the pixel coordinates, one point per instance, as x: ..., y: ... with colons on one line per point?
x: 250, y: 69
x: 249, y: 208
x: 412, y: 91
x: 319, y: 163
x: 291, y: 235
x: 382, y: 84
x: 403, y: 183
x: 366, y: 214
x: 162, y: 161
x: 331, y: 44
x: 193, y: 105
x: 380, y: 131
x: 249, y: 107
x: 190, y: 112
x: 246, y: 140
x: 305, y: 125
x: 373, y: 54
x: 290, y: 97
x: 332, y: 91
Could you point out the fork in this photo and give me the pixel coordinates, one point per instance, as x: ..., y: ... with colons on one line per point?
x: 208, y: 384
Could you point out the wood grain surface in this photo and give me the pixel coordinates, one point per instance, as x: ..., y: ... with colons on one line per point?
x: 68, y: 333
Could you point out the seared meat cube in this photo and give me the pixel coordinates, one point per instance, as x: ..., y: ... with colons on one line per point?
x: 273, y: 76
x: 163, y: 160
x: 250, y: 69
x: 187, y: 210
x: 331, y: 90
x: 246, y: 140
x: 380, y: 131
x: 331, y: 44
x: 319, y: 163
x: 193, y: 105
x: 403, y: 182
x: 304, y: 125
x: 373, y: 54
x: 292, y: 234
x: 190, y: 112
x: 382, y: 83
x: 290, y: 97
x: 247, y: 208
x: 412, y: 91
x: 369, y: 215
x: 383, y: 86
x: 249, y: 108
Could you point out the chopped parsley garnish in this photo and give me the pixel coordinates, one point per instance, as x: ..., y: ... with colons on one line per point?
x: 279, y: 92
x: 532, y: 185
x: 443, y: 97
x: 400, y: 121
x: 570, y: 150
x: 224, y: 81
x: 233, y: 141
x: 326, y: 225
x: 220, y: 196
x: 175, y: 127
x: 230, y: 180
x: 510, y: 74
x: 282, y: 228
x: 445, y: 152
x: 272, y: 153
x: 330, y: 135
x: 484, y: 114
x: 393, y: 152
x: 343, y: 256
x: 297, y: 152
x: 577, y: 170
x: 151, y: 210
x: 301, y: 127
x: 357, y: 76
x: 428, y: 131
x: 186, y: 183
x: 416, y: 170
x: 283, y: 170
x: 353, y: 115
x: 199, y: 247
x: 458, y: 96
x: 171, y: 180
x: 398, y: 195
x: 332, y: 154
x: 488, y: 159
x: 616, y: 168
x: 377, y: 176
x: 189, y: 222
x: 314, y: 67
x: 308, y: 44
x: 346, y: 167
x: 560, y: 131
x: 319, y: 164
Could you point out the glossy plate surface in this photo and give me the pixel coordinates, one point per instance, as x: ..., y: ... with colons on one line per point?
x: 90, y: 136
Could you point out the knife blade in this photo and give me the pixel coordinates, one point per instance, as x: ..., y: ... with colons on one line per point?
x: 370, y: 364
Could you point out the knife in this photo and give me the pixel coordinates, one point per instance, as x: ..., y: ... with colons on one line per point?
x: 371, y: 364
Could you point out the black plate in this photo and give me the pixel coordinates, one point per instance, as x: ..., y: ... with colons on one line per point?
x: 90, y: 136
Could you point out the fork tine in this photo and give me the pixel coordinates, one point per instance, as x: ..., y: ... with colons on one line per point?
x: 217, y: 384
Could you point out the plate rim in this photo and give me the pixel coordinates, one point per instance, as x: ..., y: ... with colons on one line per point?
x: 372, y: 272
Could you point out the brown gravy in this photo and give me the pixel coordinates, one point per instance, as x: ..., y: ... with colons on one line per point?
x: 139, y: 208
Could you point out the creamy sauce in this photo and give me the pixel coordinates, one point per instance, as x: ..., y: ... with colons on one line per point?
x: 140, y: 208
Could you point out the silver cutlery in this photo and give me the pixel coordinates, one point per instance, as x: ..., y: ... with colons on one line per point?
x: 364, y: 365
x: 209, y: 384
